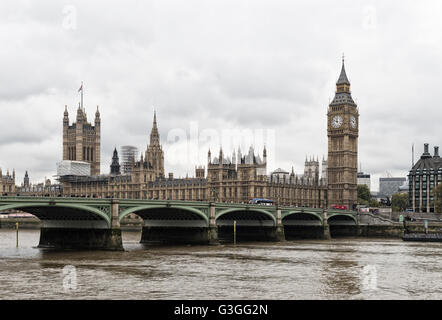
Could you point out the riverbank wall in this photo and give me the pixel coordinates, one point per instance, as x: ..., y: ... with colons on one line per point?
x: 34, y: 223
x: 373, y: 229
x: 396, y: 230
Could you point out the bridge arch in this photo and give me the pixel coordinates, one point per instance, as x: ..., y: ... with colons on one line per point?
x: 252, y: 224
x: 317, y: 216
x: 49, y: 211
x: 303, y: 224
x: 261, y: 212
x: 341, y: 218
x: 193, y: 212
x: 170, y: 224
x: 342, y: 225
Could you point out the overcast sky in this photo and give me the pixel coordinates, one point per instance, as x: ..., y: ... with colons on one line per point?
x: 212, y: 67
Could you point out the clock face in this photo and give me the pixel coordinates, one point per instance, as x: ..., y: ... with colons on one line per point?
x: 336, y: 121
x: 353, y: 121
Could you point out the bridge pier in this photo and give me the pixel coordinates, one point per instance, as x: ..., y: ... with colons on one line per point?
x: 279, y: 234
x: 80, y: 238
x: 279, y: 229
x: 213, y: 228
x: 327, y: 235
x: 115, y: 239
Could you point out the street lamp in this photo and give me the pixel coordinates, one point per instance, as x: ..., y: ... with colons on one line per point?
x: 326, y: 198
x: 213, y: 194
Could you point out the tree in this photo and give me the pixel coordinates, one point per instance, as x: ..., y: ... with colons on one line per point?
x: 438, y: 198
x: 399, y: 202
x: 363, y: 193
x: 374, y: 203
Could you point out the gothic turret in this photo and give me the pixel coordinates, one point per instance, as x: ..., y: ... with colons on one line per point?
x: 264, y: 155
x: 239, y: 155
x: 154, y: 135
x: 220, y: 157
x: 97, y: 117
x: 26, y: 180
x: 115, y: 165
x: 65, y: 116
x: 80, y: 114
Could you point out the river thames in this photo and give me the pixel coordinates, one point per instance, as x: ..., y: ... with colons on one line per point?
x: 346, y: 268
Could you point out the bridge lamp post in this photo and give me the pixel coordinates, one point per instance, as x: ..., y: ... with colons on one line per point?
x: 326, y: 198
x: 213, y: 194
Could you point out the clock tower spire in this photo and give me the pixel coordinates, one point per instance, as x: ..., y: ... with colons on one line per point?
x: 342, y: 132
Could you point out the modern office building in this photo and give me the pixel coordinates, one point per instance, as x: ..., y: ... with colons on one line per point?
x: 389, y: 186
x: 128, y: 156
x: 364, y: 179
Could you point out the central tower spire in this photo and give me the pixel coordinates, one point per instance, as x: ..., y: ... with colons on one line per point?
x: 343, y: 93
x: 343, y: 80
x: 154, y: 154
x: 154, y: 135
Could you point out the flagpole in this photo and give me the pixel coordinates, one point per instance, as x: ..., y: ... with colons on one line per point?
x: 82, y: 94
x: 412, y: 155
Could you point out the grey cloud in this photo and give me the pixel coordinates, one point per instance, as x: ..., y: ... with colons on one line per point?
x: 247, y: 64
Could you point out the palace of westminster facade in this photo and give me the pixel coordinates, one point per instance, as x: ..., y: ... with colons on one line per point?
x: 238, y: 178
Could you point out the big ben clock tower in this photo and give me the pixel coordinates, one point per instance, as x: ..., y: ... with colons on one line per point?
x: 342, y: 132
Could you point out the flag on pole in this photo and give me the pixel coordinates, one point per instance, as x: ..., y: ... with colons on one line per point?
x: 81, y: 89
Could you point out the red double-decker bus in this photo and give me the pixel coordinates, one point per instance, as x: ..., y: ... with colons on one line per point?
x: 339, y: 207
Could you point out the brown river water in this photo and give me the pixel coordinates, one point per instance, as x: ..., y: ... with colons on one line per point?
x: 346, y: 268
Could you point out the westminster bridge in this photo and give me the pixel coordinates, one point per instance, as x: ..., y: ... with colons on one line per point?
x: 94, y: 223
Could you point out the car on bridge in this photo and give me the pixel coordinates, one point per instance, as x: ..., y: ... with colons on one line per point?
x: 260, y: 201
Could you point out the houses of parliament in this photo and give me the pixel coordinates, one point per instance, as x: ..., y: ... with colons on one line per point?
x: 226, y: 178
